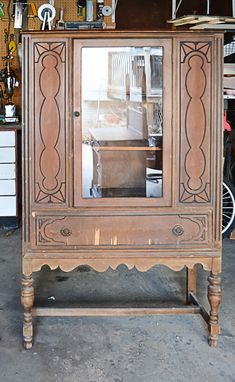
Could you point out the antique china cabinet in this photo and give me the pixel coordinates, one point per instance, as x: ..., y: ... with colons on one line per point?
x: 122, y: 147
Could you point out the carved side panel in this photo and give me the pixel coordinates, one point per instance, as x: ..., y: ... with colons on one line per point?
x: 50, y: 123
x: 195, y: 122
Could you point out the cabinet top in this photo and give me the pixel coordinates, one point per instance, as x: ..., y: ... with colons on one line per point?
x: 110, y: 34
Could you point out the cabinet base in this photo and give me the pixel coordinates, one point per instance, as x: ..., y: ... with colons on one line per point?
x: 193, y: 307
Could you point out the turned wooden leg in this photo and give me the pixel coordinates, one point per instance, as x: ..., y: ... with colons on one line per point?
x: 27, y: 298
x: 191, y: 283
x: 214, y: 297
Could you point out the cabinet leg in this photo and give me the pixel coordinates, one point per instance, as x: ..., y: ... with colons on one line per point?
x: 191, y: 283
x: 27, y: 299
x: 214, y: 297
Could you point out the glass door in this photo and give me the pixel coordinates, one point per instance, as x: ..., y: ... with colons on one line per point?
x: 124, y: 135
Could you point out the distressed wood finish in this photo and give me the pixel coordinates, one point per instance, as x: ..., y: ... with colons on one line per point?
x: 214, y: 297
x: 195, y: 122
x: 27, y: 299
x: 173, y: 230
x: 180, y: 229
x: 49, y: 126
x: 191, y: 283
x: 112, y: 312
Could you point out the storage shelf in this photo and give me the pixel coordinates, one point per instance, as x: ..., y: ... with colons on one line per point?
x: 204, y: 21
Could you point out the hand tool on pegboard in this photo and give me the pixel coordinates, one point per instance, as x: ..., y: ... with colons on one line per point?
x: 46, y: 13
x: 103, y: 11
x: 1, y: 10
x: 12, y: 44
x: 8, y: 78
x: 81, y: 8
x: 109, y: 13
x: 20, y: 12
x: 60, y: 23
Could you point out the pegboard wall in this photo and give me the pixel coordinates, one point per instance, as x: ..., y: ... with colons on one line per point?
x: 70, y: 12
x: 6, y: 23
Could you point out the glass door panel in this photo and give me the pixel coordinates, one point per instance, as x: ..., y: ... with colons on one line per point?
x: 122, y: 122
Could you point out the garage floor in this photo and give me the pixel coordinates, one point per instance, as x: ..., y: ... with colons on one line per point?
x: 140, y: 349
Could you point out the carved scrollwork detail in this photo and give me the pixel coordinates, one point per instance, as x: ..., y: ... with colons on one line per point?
x: 195, y: 101
x: 42, y: 235
x: 82, y: 231
x: 50, y: 107
x: 202, y: 233
x: 67, y: 265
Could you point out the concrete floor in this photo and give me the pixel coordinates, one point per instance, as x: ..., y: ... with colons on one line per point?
x: 140, y: 349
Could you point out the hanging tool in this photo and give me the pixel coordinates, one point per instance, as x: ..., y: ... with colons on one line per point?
x: 46, y: 13
x: 18, y: 14
x: 81, y: 8
x: 99, y: 7
x: 6, y: 39
x: 33, y: 9
x: 89, y: 10
x: 19, y: 9
x: 1, y: 10
x: 11, y: 44
x: 7, y: 76
x: 60, y: 23
x: 108, y: 10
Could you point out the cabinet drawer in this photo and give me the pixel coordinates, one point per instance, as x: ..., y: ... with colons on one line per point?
x: 7, y: 187
x: 168, y: 230
x: 7, y: 154
x: 7, y: 138
x: 7, y: 171
x: 7, y: 206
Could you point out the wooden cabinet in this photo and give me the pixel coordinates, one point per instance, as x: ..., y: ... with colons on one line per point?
x: 122, y: 147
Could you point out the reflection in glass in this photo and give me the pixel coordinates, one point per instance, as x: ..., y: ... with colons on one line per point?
x: 122, y: 122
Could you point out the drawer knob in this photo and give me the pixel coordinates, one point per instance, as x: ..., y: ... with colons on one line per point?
x: 76, y: 113
x: 65, y: 232
x: 178, y: 230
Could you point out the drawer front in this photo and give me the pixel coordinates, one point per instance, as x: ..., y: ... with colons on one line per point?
x: 7, y: 138
x: 7, y: 206
x: 7, y: 171
x: 7, y: 154
x: 7, y: 187
x: 168, y: 230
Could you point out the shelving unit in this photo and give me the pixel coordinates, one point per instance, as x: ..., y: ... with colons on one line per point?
x: 206, y: 21
x: 9, y: 179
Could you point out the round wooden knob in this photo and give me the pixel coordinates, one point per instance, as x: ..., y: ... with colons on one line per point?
x: 65, y: 231
x: 178, y: 230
